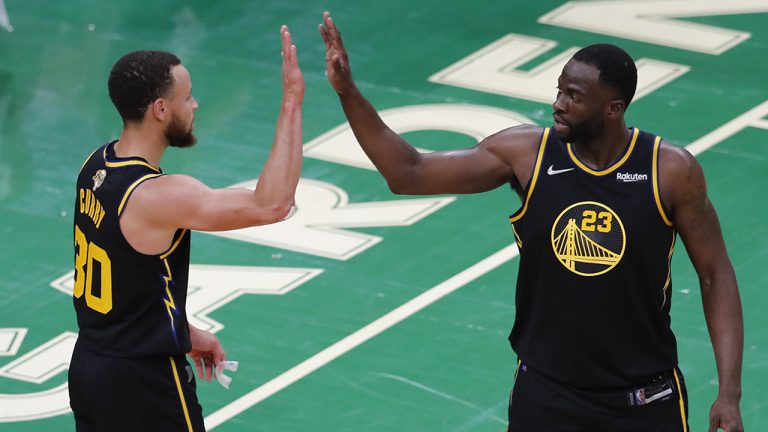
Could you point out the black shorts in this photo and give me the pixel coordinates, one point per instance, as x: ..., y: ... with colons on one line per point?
x: 538, y: 403
x: 118, y: 394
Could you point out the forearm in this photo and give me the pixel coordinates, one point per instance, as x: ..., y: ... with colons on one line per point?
x: 391, y: 154
x: 277, y: 184
x: 722, y: 309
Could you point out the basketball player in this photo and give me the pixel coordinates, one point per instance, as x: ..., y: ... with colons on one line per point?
x: 132, y: 240
x: 602, y: 205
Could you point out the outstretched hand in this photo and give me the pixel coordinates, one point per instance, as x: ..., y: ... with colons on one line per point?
x: 206, y: 352
x: 336, y: 59
x: 293, y: 80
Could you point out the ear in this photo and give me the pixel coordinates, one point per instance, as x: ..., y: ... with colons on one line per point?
x: 615, y: 109
x: 158, y: 109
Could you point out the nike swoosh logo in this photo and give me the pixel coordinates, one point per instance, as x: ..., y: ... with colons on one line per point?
x: 552, y: 171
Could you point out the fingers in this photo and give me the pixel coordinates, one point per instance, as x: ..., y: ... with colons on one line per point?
x: 285, y: 38
x: 204, y: 366
x: 733, y: 426
x: 330, y: 33
x: 199, y: 367
x: 324, y: 34
x: 219, y: 355
x: 294, y: 57
x: 335, y: 54
x: 208, y: 369
x: 288, y: 48
x: 329, y: 25
x: 716, y: 424
x: 714, y: 417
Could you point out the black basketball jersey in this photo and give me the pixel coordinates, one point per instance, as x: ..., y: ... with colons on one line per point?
x: 128, y: 304
x: 594, y: 286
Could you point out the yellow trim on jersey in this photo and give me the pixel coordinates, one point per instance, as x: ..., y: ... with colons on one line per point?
x: 611, y: 168
x: 131, y: 188
x: 173, y: 247
x: 168, y: 270
x: 126, y: 162
x: 517, y: 369
x: 534, y: 177
x: 655, y: 179
x: 682, y: 404
x: 669, y: 269
x: 517, y: 237
x: 170, y: 303
x: 181, y: 394
x: 130, y: 162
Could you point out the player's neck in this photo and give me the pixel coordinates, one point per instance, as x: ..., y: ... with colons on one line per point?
x: 602, y: 151
x: 143, y: 141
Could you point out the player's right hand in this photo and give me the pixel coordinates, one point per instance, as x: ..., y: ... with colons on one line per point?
x: 293, y: 79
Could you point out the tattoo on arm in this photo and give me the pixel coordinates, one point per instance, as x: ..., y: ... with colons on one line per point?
x: 695, y: 202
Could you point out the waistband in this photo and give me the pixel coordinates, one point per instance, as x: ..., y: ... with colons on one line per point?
x: 663, y: 387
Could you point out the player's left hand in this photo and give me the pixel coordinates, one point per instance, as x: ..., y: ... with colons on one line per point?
x: 336, y: 57
x: 725, y: 415
x: 207, y: 352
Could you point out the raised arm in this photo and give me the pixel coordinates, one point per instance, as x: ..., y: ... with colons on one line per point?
x: 278, y: 180
x: 685, y: 193
x: 161, y: 205
x: 407, y: 171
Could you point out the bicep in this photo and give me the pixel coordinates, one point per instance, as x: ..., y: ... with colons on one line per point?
x: 505, y: 157
x: 461, y: 171
x: 178, y: 201
x: 694, y: 216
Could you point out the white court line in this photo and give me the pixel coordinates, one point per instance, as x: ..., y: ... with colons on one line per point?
x: 352, y: 341
x: 5, y: 22
x: 752, y: 118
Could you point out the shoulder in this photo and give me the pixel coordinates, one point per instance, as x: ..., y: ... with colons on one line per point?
x: 681, y: 178
x: 518, y: 148
x: 677, y: 163
x: 514, y: 140
x: 162, y: 202
x: 521, y: 134
x: 173, y: 191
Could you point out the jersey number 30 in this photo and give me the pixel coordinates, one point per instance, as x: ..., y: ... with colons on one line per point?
x: 87, y: 254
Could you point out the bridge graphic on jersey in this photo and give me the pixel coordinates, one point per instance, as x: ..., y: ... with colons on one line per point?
x: 572, y: 246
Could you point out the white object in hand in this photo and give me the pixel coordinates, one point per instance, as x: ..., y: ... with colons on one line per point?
x: 218, y: 372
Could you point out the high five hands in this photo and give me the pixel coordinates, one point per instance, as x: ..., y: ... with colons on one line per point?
x: 336, y: 59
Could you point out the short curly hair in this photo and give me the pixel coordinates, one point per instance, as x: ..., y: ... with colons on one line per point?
x: 617, y: 69
x: 138, y: 79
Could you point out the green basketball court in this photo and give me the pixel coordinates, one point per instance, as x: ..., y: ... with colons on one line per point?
x: 366, y: 310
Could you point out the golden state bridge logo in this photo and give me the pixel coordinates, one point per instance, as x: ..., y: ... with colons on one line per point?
x: 588, y: 238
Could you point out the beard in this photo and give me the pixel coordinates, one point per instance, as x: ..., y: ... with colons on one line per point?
x: 584, y: 131
x: 178, y: 135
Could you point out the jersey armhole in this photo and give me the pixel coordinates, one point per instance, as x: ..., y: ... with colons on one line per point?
x: 534, y: 178
x: 663, y: 212
x: 130, y: 190
x: 179, y: 236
